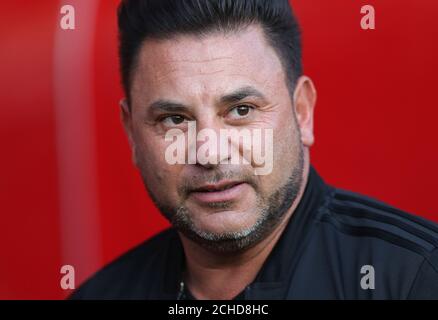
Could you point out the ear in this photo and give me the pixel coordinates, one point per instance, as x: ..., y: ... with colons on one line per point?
x: 126, y: 117
x: 304, y: 104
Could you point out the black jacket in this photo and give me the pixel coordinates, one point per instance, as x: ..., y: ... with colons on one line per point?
x: 325, y: 252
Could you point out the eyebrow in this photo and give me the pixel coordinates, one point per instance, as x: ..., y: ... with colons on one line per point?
x: 233, y: 97
x: 168, y: 106
x: 241, y: 94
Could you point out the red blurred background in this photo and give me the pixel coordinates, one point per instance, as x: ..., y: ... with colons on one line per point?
x: 69, y: 193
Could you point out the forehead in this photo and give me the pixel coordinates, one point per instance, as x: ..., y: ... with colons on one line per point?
x: 202, y: 67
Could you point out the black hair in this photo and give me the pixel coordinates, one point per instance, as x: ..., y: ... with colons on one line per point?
x: 139, y: 20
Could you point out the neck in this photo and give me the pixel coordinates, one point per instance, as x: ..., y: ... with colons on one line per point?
x: 213, y: 275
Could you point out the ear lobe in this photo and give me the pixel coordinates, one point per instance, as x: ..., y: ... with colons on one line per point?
x: 126, y: 117
x: 304, y: 104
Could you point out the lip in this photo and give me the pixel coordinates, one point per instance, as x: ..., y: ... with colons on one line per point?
x: 220, y: 192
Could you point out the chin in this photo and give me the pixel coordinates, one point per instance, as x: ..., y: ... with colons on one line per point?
x: 225, y: 222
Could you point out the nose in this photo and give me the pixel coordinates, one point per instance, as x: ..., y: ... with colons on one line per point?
x: 211, y: 150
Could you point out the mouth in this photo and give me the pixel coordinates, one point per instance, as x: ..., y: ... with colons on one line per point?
x: 219, y: 192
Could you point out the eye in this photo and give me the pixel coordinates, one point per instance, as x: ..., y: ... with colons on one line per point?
x: 240, y: 111
x: 173, y: 120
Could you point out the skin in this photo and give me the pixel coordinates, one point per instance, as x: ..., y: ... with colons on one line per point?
x: 196, y: 73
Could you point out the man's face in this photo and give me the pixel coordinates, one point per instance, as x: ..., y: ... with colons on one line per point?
x: 189, y: 78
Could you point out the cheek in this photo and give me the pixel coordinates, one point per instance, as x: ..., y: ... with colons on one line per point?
x: 157, y: 173
x: 285, y: 151
x: 285, y: 148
